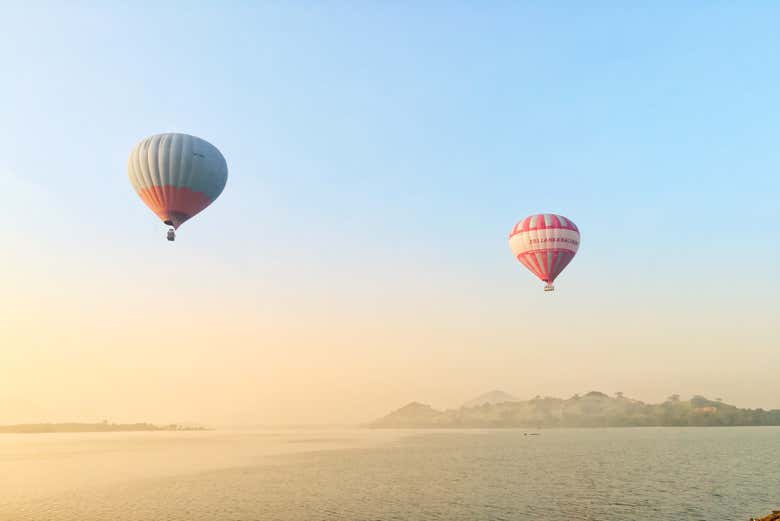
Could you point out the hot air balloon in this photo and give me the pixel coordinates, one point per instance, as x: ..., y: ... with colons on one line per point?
x: 177, y: 176
x: 545, y: 244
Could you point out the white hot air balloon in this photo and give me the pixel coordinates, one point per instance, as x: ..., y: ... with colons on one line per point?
x: 177, y: 176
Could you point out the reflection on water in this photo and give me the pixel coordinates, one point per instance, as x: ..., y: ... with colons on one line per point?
x: 598, y: 474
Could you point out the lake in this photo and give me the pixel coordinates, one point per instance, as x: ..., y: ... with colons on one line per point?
x: 648, y: 474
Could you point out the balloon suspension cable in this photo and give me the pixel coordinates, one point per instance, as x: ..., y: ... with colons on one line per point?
x: 171, y: 235
x: 549, y: 287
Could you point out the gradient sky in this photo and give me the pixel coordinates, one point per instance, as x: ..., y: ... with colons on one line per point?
x: 378, y: 155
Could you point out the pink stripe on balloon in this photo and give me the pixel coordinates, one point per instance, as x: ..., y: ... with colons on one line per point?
x: 540, y: 224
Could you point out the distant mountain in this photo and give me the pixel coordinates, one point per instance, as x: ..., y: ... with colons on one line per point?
x: 594, y: 409
x: 411, y: 415
x: 491, y: 397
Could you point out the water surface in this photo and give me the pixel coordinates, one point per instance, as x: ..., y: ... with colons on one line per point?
x: 652, y: 474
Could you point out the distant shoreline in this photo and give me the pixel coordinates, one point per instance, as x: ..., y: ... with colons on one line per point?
x: 533, y: 430
x: 591, y: 410
x: 45, y: 428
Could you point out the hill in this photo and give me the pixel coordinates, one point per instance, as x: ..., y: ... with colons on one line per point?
x: 411, y: 415
x: 594, y: 409
x: 491, y: 397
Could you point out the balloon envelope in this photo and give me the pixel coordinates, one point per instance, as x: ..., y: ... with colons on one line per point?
x: 545, y: 244
x: 176, y: 175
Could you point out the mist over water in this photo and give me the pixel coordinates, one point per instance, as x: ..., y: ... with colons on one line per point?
x: 653, y: 474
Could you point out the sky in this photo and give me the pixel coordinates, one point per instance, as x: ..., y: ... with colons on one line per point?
x: 379, y: 154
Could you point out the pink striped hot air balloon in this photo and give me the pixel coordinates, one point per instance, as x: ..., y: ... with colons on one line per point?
x: 177, y: 176
x: 545, y: 244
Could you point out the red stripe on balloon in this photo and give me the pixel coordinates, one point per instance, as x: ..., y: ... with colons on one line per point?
x: 540, y: 224
x: 534, y: 264
x: 174, y: 204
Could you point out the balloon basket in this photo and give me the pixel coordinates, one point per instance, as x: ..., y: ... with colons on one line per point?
x: 549, y: 287
x: 171, y: 235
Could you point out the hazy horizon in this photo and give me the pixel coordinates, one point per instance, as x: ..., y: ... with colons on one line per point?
x: 378, y: 158
x: 237, y: 422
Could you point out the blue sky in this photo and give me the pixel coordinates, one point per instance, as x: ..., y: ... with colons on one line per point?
x: 383, y: 151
